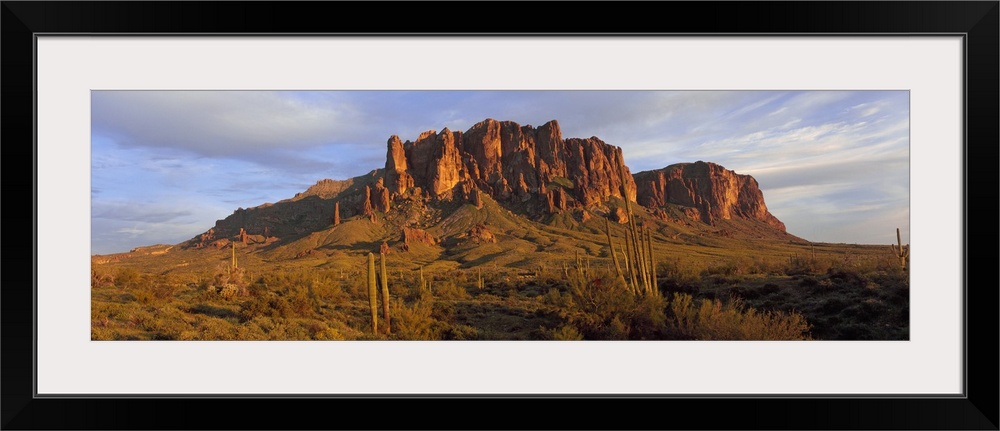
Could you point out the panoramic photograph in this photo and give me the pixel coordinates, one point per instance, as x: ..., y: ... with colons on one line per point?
x: 500, y: 215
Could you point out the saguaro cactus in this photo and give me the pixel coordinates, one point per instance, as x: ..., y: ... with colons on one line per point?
x: 611, y: 250
x: 901, y: 252
x: 639, y: 273
x: 385, y: 294
x: 372, y: 292
x: 423, y: 284
x: 652, y: 263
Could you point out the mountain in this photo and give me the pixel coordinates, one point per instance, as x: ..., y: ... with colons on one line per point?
x: 710, y: 191
x: 500, y: 193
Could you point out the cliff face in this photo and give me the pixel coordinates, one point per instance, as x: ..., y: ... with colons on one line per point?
x: 507, y: 161
x: 716, y: 192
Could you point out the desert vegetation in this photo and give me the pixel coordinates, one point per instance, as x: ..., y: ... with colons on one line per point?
x: 854, y: 293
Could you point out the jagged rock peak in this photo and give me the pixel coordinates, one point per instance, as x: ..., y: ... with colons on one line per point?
x: 716, y: 192
x: 508, y: 161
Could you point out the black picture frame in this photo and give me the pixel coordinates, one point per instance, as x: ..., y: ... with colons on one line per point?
x: 976, y: 21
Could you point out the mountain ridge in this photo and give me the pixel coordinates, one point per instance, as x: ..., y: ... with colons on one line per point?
x: 526, y: 171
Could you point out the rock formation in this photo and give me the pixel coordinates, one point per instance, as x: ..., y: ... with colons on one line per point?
x: 481, y: 235
x: 366, y: 203
x: 619, y: 215
x: 206, y: 238
x: 714, y: 191
x: 477, y: 199
x: 556, y: 199
x: 508, y: 161
x: 413, y: 235
x: 380, y: 197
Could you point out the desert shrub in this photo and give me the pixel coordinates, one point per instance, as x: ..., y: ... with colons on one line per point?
x: 443, y: 311
x: 721, y: 279
x: 449, y: 290
x: 357, y: 286
x: 891, y: 279
x: 674, y: 271
x: 554, y: 299
x: 127, y: 278
x: 733, y: 266
x: 163, y: 290
x: 169, y: 324
x: 847, y: 276
x: 300, y: 302
x: 809, y: 282
x: 564, y: 333
x: 291, y: 329
x: 768, y: 289
x: 461, y: 332
x: 331, y: 292
x: 762, y: 265
x: 750, y: 293
x: 414, y: 322
x: 833, y: 305
x: 212, y: 328
x: 269, y: 306
x: 602, y: 309
x: 865, y: 311
x: 101, y: 279
x: 415, y: 292
x: 801, y: 265
x: 250, y: 331
x: 712, y: 320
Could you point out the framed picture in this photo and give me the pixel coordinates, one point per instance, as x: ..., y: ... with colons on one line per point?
x: 936, y: 64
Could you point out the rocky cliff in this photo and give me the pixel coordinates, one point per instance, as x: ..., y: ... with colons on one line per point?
x: 714, y: 191
x: 508, y: 161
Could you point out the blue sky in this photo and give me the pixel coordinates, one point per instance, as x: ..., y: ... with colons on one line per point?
x: 833, y: 165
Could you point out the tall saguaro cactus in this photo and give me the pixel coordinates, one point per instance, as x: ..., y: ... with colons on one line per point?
x: 385, y: 294
x: 372, y: 292
x: 640, y: 263
x: 901, y: 252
